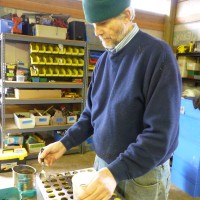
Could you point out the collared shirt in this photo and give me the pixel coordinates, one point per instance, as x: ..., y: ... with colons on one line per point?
x: 126, y: 40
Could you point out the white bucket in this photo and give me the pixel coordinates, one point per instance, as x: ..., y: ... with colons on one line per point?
x: 80, y: 181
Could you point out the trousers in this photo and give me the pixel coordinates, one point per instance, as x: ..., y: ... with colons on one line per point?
x: 154, y: 185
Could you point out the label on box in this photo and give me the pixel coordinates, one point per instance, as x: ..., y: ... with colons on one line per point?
x: 71, y: 118
x: 42, y: 119
x: 59, y: 119
x: 27, y: 122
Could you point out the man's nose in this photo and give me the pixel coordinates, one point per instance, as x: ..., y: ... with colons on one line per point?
x: 98, y: 30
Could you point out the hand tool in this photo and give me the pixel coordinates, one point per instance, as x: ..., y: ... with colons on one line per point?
x: 43, y: 113
x: 42, y: 173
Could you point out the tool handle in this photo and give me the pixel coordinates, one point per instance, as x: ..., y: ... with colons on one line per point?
x: 42, y: 159
x: 47, y: 110
x: 39, y: 113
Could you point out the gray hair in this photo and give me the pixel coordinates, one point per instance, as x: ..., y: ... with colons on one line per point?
x: 131, y: 10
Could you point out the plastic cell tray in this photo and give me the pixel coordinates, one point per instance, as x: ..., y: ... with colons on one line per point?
x: 59, y: 186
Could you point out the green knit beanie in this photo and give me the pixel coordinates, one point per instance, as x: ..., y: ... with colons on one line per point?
x: 101, y: 10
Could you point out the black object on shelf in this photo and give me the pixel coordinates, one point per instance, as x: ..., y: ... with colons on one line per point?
x: 76, y: 31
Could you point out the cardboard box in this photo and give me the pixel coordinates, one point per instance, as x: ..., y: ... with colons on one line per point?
x: 50, y: 31
x: 193, y: 66
x: 14, y: 140
x: 41, y: 120
x: 37, y: 94
x: 35, y: 148
x: 24, y: 122
x: 7, y: 25
x: 71, y: 119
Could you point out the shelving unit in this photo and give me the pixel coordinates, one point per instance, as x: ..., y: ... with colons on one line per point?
x: 7, y: 122
x: 93, y: 48
x: 192, y: 79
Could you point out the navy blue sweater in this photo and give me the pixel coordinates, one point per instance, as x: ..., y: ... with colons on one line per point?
x: 132, y: 108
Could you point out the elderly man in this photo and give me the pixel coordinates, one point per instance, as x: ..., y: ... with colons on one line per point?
x: 132, y: 109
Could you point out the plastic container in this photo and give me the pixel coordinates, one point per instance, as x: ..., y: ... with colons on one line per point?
x: 75, y: 51
x: 42, y: 71
x: 80, y: 73
x: 55, y: 60
x: 42, y: 60
x: 61, y: 61
x: 69, y: 50
x: 80, y: 181
x: 55, y: 72
x: 34, y: 47
x: 20, y: 78
x: 68, y: 61
x: 35, y: 79
x: 55, y: 49
x: 62, y: 50
x: 42, y: 48
x: 35, y: 59
x: 80, y: 62
x: 74, y: 72
x: 74, y: 62
x: 49, y: 71
x: 25, y: 121
x: 68, y: 72
x: 81, y: 52
x: 49, y: 60
x: 62, y: 72
x: 49, y: 48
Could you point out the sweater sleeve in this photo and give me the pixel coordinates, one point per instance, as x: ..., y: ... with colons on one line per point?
x: 159, y: 137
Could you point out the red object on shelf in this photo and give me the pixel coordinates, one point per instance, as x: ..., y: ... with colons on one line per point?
x: 17, y: 20
x: 92, y: 61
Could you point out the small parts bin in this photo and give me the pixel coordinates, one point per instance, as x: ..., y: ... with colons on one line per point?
x: 23, y: 120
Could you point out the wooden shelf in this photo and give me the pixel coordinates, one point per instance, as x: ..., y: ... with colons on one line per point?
x: 10, y: 127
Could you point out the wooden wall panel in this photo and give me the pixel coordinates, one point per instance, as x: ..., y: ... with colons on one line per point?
x: 150, y: 20
x: 65, y: 7
x: 73, y: 8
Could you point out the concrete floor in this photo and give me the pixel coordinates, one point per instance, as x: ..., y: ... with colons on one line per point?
x: 75, y: 162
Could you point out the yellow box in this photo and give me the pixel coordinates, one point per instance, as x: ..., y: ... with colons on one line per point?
x: 37, y: 94
x: 11, y: 158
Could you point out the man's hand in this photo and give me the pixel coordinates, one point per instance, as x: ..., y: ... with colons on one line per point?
x: 101, y: 187
x: 196, y: 103
x: 51, y: 153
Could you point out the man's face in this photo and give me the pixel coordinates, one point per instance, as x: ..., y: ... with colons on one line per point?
x: 111, y: 31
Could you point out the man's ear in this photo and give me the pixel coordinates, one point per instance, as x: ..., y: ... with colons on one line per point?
x: 129, y: 14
